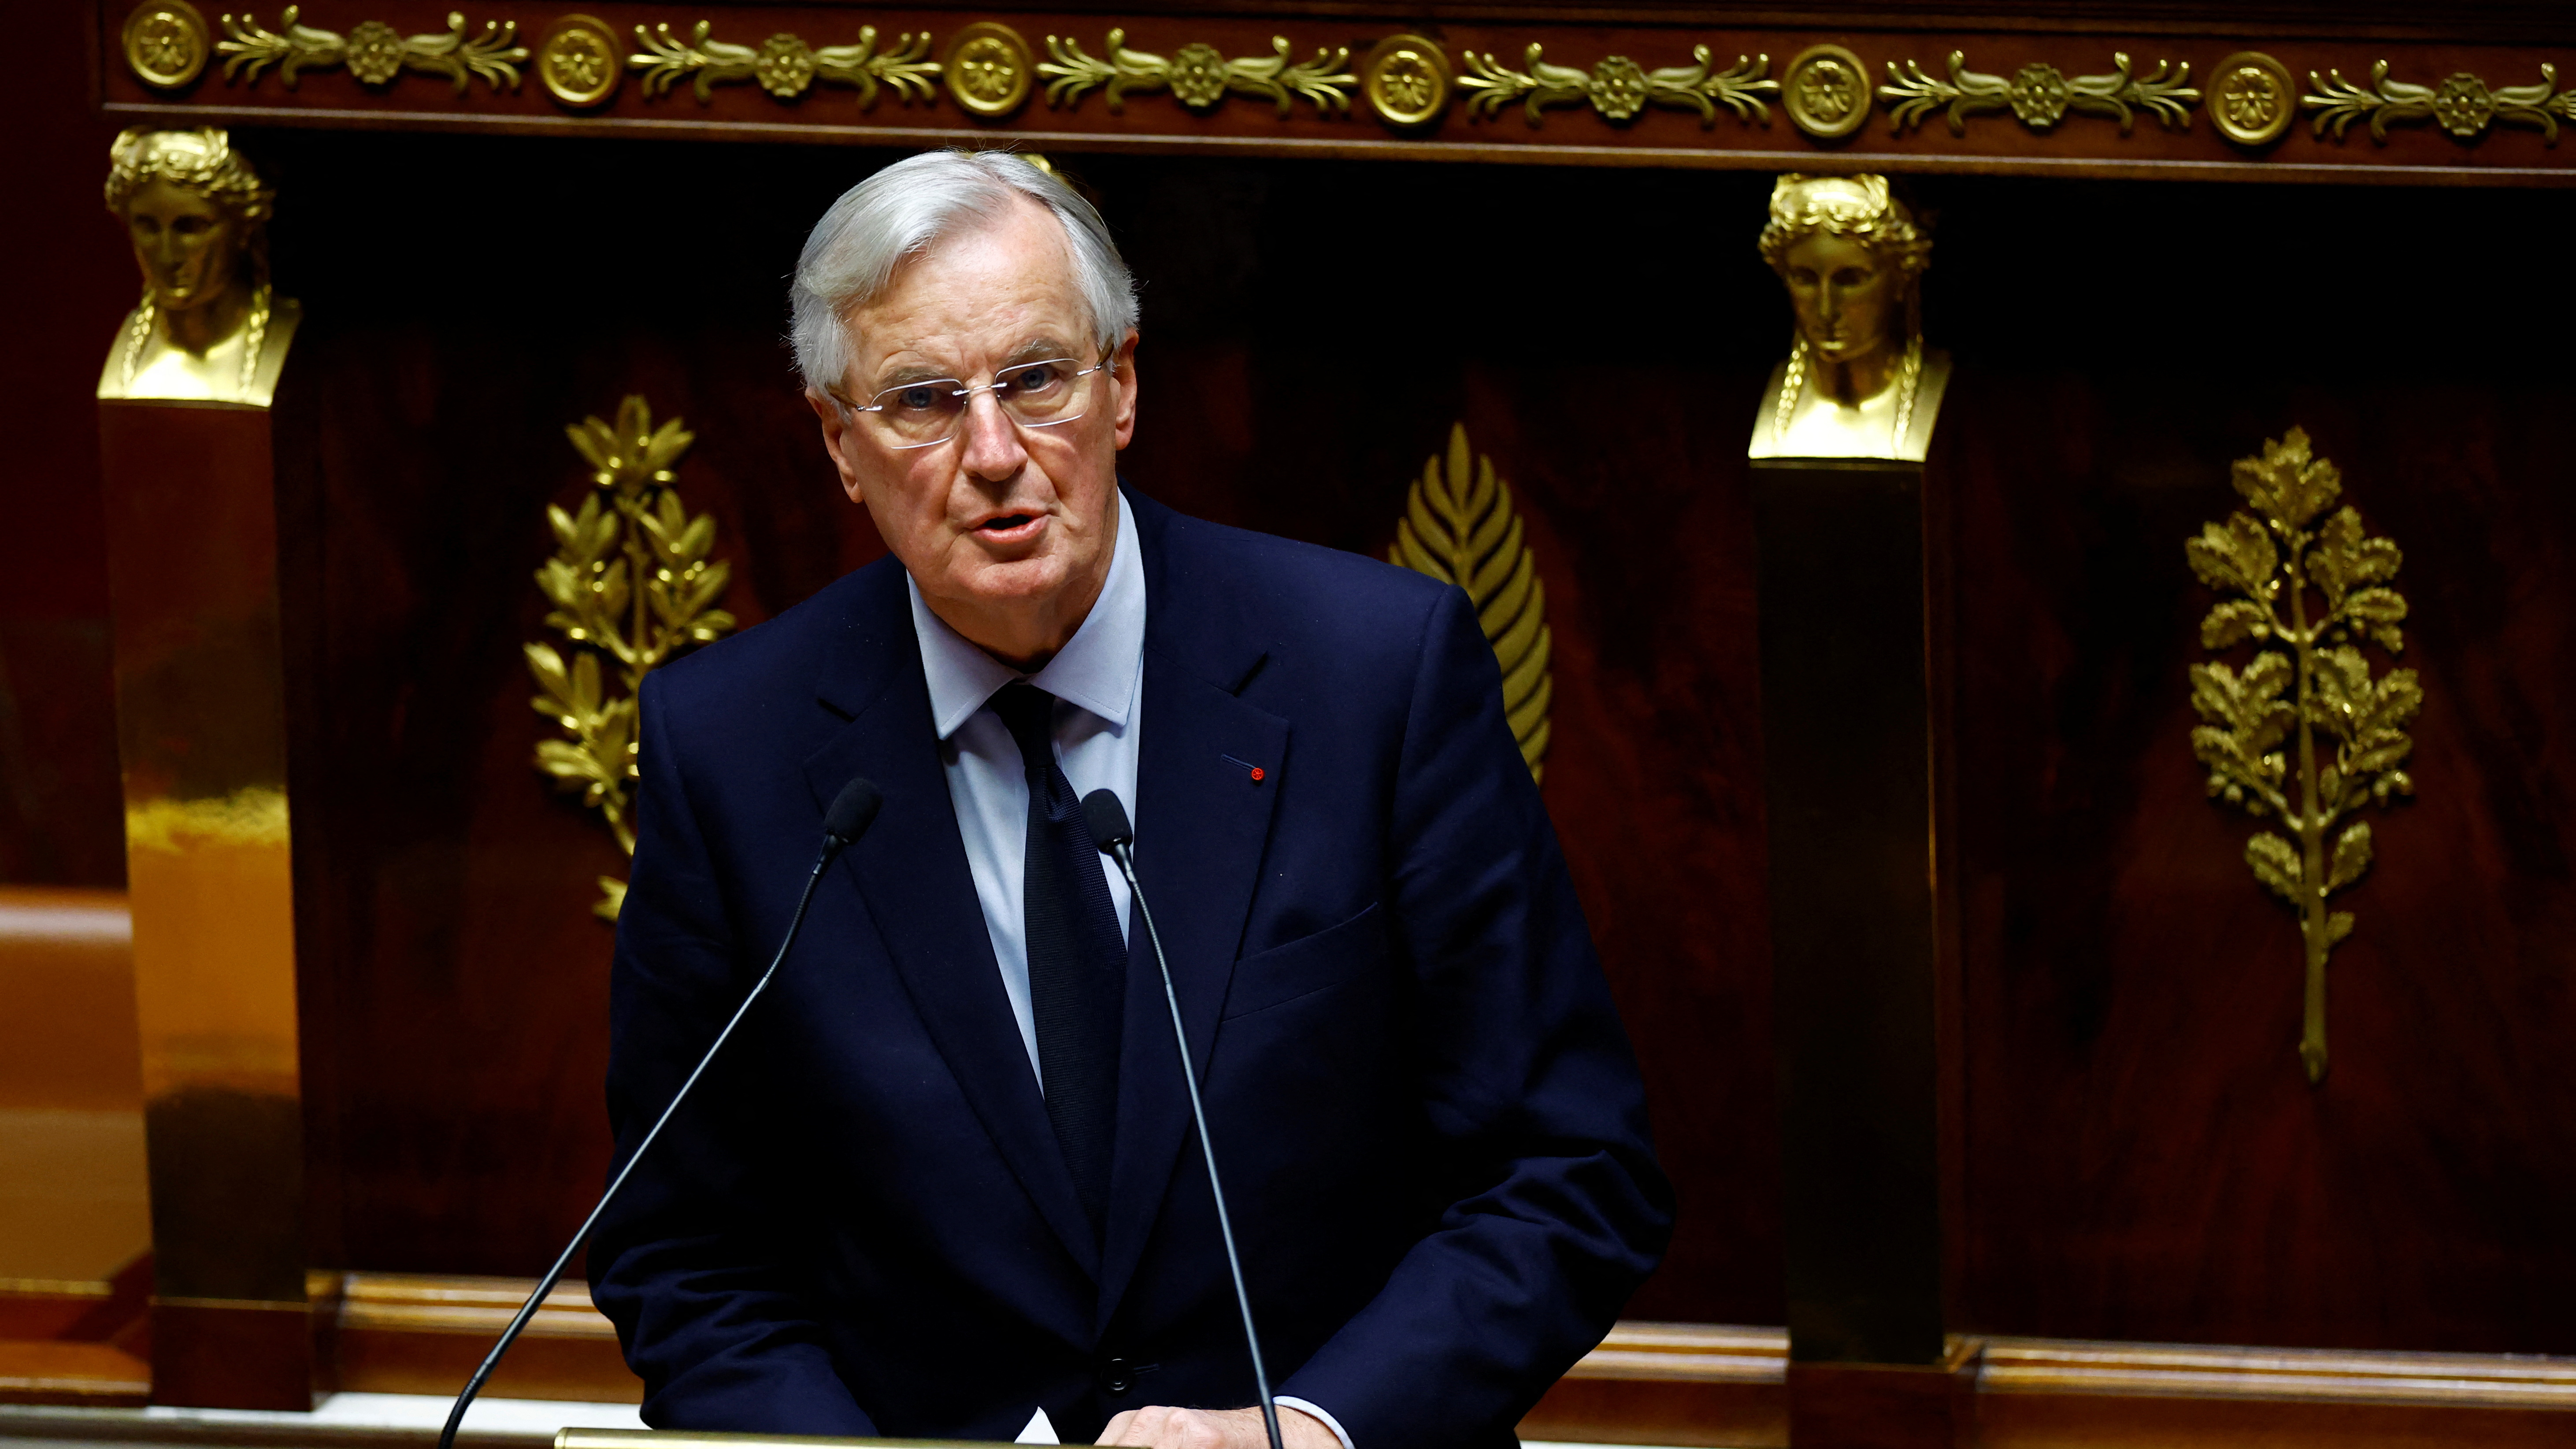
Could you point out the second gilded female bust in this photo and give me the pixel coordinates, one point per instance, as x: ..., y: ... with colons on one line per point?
x: 208, y: 329
x: 1858, y: 382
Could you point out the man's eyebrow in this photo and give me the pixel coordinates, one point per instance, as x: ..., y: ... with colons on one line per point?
x: 915, y: 373
x: 1039, y: 348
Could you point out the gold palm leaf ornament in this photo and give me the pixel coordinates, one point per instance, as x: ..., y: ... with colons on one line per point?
x: 1459, y: 527
x: 2303, y: 733
x: 632, y: 586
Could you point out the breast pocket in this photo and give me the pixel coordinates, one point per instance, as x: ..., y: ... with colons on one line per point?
x: 1331, y: 956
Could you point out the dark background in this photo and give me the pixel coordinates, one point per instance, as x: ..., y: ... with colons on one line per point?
x: 2142, y: 1158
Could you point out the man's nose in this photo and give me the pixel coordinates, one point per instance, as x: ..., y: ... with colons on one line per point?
x: 988, y: 441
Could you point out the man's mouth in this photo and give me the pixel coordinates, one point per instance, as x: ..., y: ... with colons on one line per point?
x: 1008, y: 525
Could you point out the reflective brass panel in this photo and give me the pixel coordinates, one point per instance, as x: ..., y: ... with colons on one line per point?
x: 192, y: 554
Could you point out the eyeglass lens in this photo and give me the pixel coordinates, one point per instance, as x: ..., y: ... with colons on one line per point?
x: 1035, y: 394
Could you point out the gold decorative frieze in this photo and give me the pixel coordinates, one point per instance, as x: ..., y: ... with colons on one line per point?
x: 784, y: 65
x: 2462, y: 105
x: 1618, y: 88
x: 579, y: 61
x: 2039, y: 95
x: 989, y: 69
x: 2303, y: 734
x: 1407, y: 81
x: 1826, y: 92
x: 166, y: 43
x: 632, y: 585
x: 2252, y: 99
x: 1459, y: 527
x: 1198, y: 75
x: 373, y: 51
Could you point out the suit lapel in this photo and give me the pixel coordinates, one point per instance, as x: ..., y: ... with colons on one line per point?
x: 1201, y: 825
x: 911, y: 870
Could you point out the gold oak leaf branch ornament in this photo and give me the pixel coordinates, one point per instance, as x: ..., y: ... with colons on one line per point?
x: 632, y: 585
x: 2308, y: 679
x: 1459, y: 527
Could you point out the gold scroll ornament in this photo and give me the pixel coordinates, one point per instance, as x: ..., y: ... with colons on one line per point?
x: 1618, y: 88
x: 1459, y: 528
x: 2039, y: 95
x: 632, y: 584
x: 373, y: 51
x: 2462, y: 104
x: 1198, y: 75
x: 784, y: 65
x: 2307, y: 589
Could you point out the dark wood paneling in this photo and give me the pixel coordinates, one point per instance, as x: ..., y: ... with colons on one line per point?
x: 2144, y: 1158
x: 61, y: 822
x: 1287, y: 385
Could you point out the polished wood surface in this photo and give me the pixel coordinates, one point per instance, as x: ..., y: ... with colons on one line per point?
x: 2143, y: 1158
x: 1847, y: 754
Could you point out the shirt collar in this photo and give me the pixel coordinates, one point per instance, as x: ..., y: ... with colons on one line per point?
x: 1095, y: 670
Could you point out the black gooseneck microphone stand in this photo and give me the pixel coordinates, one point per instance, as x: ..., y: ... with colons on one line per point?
x: 853, y: 810
x: 1108, y: 821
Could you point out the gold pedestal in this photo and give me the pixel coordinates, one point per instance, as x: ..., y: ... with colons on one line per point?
x: 202, y: 729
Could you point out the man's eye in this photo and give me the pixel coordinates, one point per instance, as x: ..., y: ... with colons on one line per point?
x: 1032, y: 380
x: 919, y: 399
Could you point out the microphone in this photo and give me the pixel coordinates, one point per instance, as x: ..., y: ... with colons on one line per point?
x: 853, y: 810
x: 1108, y: 821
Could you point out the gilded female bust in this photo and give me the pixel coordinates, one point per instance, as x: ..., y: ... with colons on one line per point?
x: 1857, y: 382
x: 208, y: 328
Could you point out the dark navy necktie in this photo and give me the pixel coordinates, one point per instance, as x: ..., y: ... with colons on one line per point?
x: 1077, y: 962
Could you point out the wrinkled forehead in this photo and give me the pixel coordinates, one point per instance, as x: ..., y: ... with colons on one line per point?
x: 985, y: 293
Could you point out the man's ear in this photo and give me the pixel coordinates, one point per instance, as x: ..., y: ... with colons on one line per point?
x: 838, y: 438
x: 1122, y: 366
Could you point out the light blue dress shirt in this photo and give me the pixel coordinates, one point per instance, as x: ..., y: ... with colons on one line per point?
x: 1100, y: 677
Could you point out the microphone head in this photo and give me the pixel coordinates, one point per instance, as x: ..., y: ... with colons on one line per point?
x: 1107, y: 819
x: 853, y: 810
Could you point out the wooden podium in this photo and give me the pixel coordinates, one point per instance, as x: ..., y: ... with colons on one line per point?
x: 658, y: 1439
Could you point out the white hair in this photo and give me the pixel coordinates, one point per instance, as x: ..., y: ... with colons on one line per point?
x: 902, y: 211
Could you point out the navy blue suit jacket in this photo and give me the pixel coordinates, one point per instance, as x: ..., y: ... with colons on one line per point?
x: 1431, y: 1127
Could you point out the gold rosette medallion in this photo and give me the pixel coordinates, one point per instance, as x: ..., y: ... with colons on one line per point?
x: 1406, y: 79
x: 1826, y: 92
x: 580, y: 60
x: 166, y: 43
x: 988, y: 69
x: 2252, y: 99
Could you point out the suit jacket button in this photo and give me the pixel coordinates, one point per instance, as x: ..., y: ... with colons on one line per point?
x: 1116, y: 1377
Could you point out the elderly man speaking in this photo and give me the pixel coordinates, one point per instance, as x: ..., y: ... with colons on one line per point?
x: 946, y: 1185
